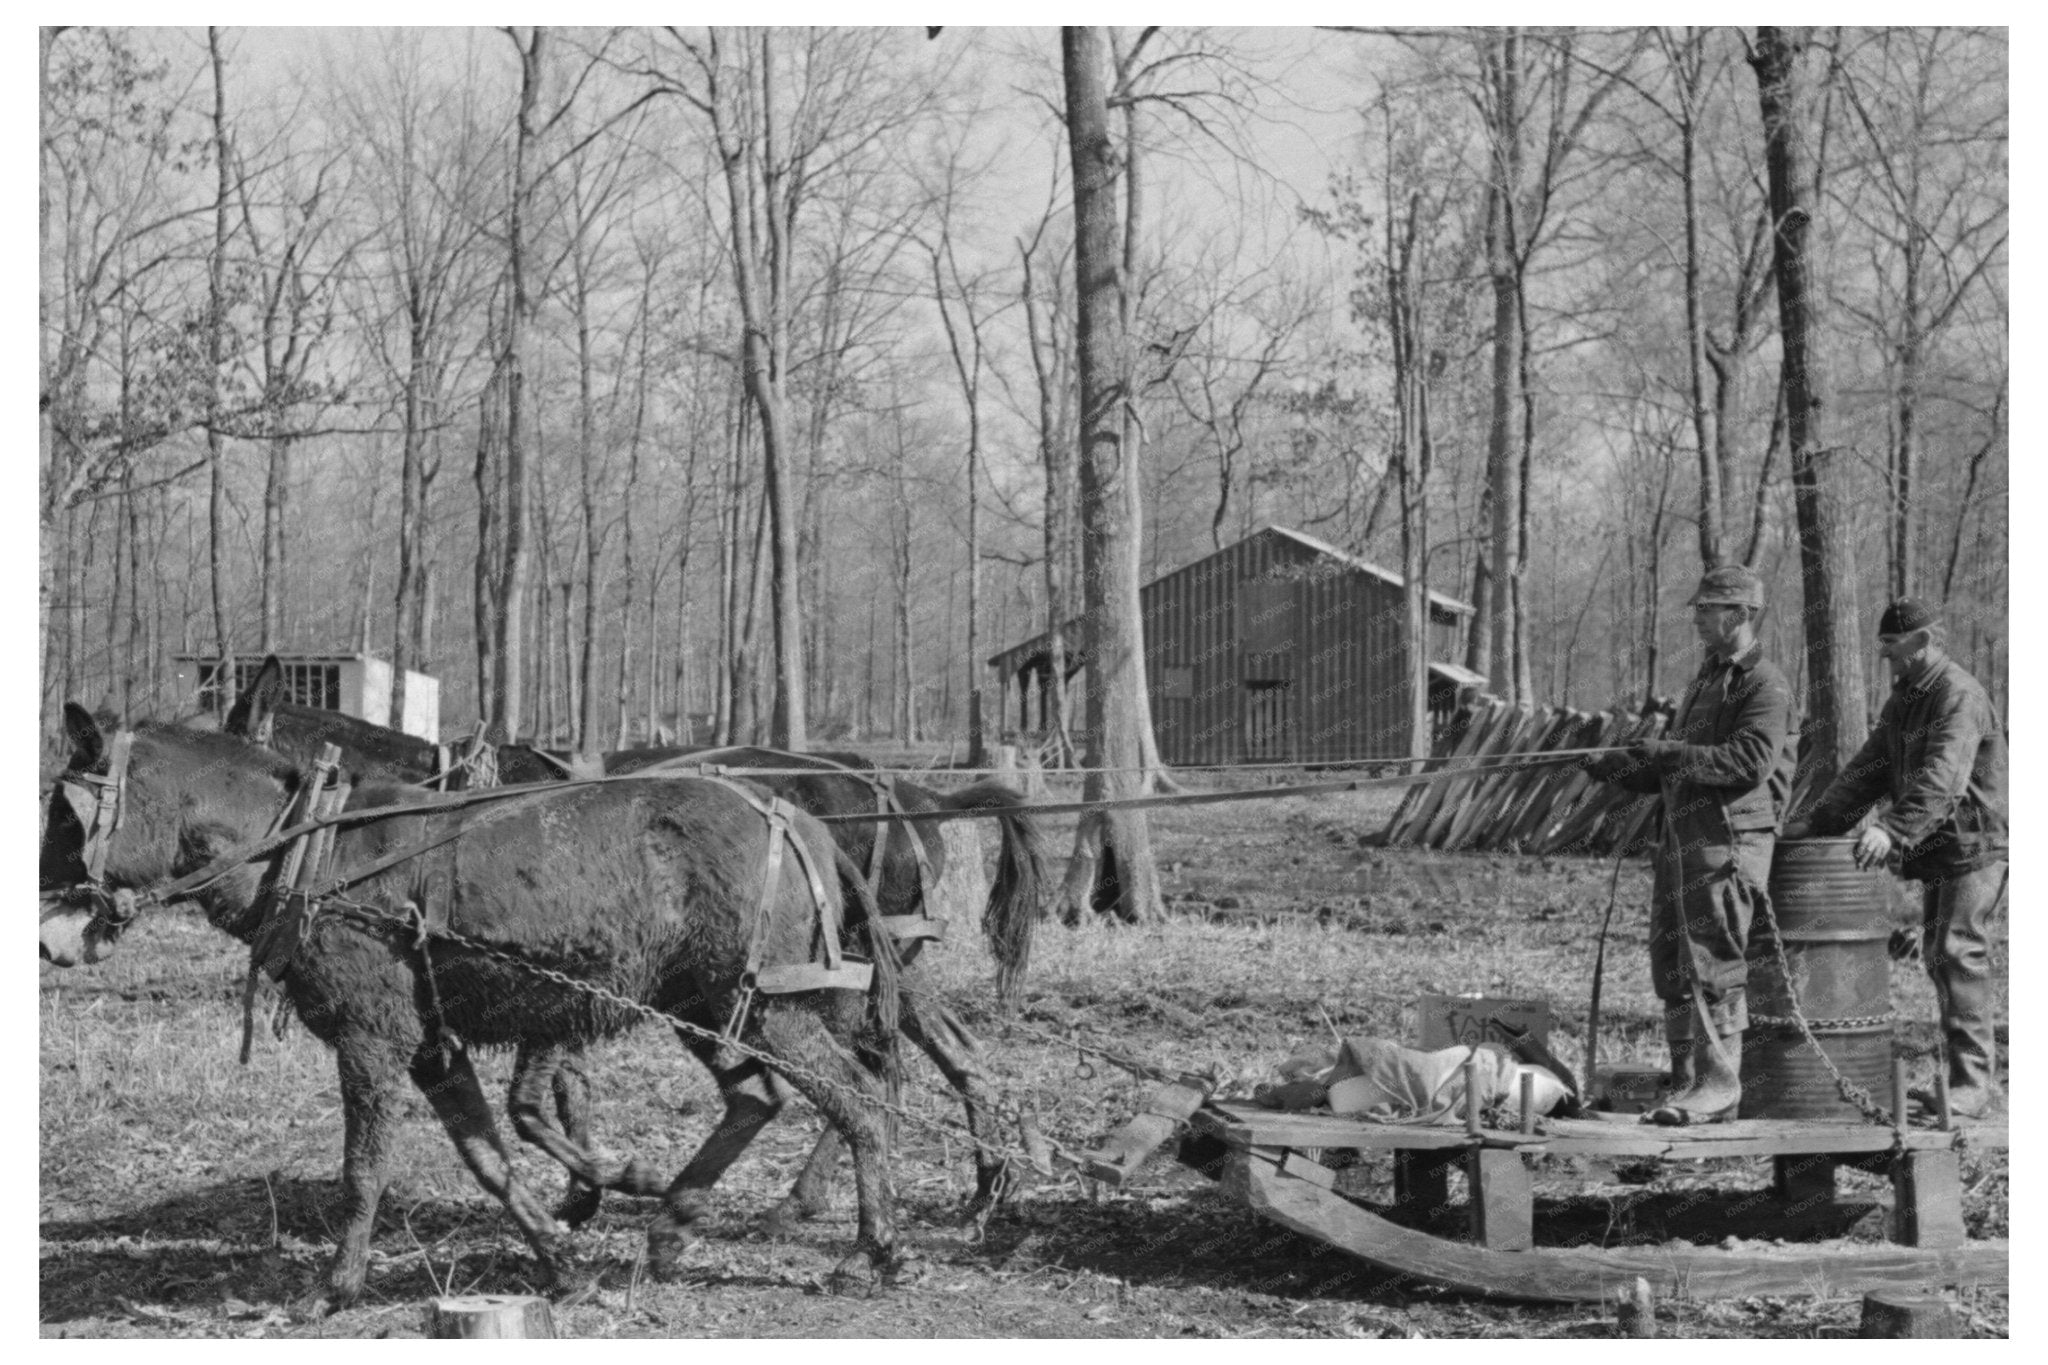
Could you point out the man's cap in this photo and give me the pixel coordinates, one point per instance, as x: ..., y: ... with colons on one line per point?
x: 1906, y: 614
x: 1730, y: 585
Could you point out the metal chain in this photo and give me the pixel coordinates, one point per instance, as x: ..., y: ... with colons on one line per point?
x: 954, y: 1127
x: 1849, y: 1022
x: 1117, y: 1059
x: 1848, y: 1089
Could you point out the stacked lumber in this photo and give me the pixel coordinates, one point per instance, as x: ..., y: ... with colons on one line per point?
x: 1481, y: 798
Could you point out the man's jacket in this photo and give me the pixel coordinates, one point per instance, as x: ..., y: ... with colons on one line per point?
x: 1938, y: 754
x: 1724, y: 765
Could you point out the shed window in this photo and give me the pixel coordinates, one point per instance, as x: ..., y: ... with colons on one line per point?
x: 306, y: 683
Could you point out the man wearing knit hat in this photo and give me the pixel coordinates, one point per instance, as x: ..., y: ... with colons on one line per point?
x: 1938, y: 755
x: 1724, y: 769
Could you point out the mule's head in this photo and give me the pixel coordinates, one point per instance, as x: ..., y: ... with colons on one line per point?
x: 134, y: 809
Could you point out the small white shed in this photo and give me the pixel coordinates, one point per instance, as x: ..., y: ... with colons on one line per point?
x: 356, y: 685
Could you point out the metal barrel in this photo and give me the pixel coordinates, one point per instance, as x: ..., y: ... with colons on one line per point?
x: 1833, y: 921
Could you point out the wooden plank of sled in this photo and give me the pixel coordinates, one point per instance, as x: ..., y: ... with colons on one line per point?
x: 1130, y: 1146
x: 1927, y: 1200
x: 1299, y: 1165
x: 1503, y: 1202
x: 1744, y: 1138
x: 1586, y: 1275
x: 1249, y: 1126
x: 814, y: 976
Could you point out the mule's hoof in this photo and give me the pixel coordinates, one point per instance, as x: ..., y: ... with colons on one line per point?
x: 904, y: 1269
x: 314, y: 1305
x: 640, y: 1181
x: 853, y: 1278
x: 572, y: 1285
x: 579, y: 1206
x: 780, y: 1222
x: 667, y: 1240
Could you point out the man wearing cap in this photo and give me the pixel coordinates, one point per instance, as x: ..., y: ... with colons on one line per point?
x: 1725, y: 771
x: 1939, y: 756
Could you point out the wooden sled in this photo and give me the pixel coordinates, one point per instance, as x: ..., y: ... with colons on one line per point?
x: 1270, y: 1160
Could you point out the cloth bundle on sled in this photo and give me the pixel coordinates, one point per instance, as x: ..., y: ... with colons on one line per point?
x: 1389, y: 1082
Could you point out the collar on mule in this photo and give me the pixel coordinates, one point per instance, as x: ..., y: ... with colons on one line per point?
x: 97, y: 800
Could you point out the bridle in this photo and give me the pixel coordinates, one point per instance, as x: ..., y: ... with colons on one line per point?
x: 97, y: 802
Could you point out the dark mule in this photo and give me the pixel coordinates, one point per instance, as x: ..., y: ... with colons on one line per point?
x: 911, y: 863
x: 837, y: 783
x: 650, y: 890
x: 542, y: 1077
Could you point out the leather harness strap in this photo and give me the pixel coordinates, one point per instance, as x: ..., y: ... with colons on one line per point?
x: 835, y: 973
x: 97, y: 802
x: 902, y: 928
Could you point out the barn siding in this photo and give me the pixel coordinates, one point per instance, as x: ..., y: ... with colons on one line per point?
x: 1342, y: 649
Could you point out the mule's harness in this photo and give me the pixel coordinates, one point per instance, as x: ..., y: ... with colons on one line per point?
x: 305, y: 829
x: 890, y: 815
x: 96, y: 801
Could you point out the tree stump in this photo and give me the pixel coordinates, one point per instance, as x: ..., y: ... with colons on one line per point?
x: 491, y: 1316
x: 1893, y: 1314
x: 1636, y: 1314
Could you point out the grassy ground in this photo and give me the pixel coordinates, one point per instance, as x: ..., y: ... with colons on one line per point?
x: 184, y: 1195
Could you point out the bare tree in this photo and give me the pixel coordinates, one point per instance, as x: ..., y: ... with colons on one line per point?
x: 1935, y: 146
x: 1051, y: 371
x: 1112, y: 867
x: 1835, y: 693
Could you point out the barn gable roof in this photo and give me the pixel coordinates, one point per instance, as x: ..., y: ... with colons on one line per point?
x: 1070, y: 631
x: 1443, y: 601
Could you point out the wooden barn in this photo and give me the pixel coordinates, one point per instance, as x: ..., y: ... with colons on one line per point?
x: 1279, y: 648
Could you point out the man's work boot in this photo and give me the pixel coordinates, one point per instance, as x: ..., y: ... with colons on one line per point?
x: 1964, y: 1101
x: 1716, y: 1089
x: 1678, y: 1040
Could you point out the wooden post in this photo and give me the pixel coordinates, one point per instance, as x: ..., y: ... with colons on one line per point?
x: 1472, y: 1093
x: 1803, y: 1182
x: 1890, y: 1313
x: 1503, y: 1207
x: 1636, y: 1314
x: 1898, y: 1091
x: 1528, y: 1102
x: 1927, y: 1199
x: 495, y: 1316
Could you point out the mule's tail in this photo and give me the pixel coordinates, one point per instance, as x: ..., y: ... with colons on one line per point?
x: 885, y: 999
x: 1016, y: 897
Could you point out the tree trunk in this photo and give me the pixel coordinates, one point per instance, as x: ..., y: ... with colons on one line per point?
x: 762, y: 361
x: 46, y: 445
x: 1058, y: 458
x: 586, y: 466
x: 276, y: 481
x: 1905, y: 569
x: 1411, y: 457
x: 1687, y: 62
x: 1835, y: 695
x: 412, y: 519
x: 1112, y: 868
x: 1503, y: 444
x: 507, y: 642
x: 216, y: 354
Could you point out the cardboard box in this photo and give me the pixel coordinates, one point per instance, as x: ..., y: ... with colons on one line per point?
x: 1628, y: 1088
x: 1462, y: 1020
